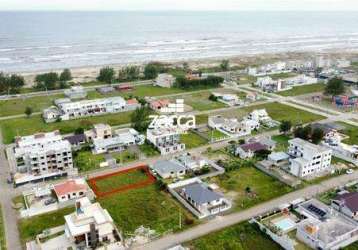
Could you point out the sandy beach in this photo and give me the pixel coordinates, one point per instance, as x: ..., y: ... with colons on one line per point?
x: 89, y: 73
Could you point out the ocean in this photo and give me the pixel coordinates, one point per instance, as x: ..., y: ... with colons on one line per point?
x: 32, y: 41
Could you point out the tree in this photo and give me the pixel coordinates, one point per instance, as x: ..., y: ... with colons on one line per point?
x: 140, y: 119
x: 47, y: 81
x: 248, y: 189
x: 150, y: 71
x: 285, y: 127
x: 132, y: 72
x: 66, y: 75
x: 186, y: 67
x: 213, y: 98
x: 335, y: 86
x: 303, y: 132
x: 317, y: 135
x: 225, y: 65
x: 28, y: 111
x: 11, y: 84
x: 106, y: 75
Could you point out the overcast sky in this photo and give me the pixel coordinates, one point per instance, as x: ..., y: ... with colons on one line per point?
x: 179, y: 5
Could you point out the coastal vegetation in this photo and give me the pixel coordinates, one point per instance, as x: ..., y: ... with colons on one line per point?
x: 335, y: 86
x: 192, y: 84
x: 11, y: 84
x: 52, y: 81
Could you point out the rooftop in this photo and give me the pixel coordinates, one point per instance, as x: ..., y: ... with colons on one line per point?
x: 69, y: 186
x: 200, y: 193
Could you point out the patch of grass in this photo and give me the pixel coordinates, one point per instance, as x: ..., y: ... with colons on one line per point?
x: 327, y: 196
x: 201, y: 119
x: 283, y: 75
x: 86, y: 161
x: 33, y: 226
x: 282, y: 142
x: 35, y: 124
x: 116, y: 181
x: 148, y: 207
x: 262, y: 186
x: 124, y: 156
x: 192, y: 140
x: 2, y: 231
x: 351, y: 131
x: 216, y: 134
x: 301, y: 90
x: 243, y: 236
x: 246, y: 79
x: 200, y: 101
x: 148, y: 149
x: 150, y: 90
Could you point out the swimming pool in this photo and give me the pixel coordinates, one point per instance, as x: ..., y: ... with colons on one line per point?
x: 285, y: 224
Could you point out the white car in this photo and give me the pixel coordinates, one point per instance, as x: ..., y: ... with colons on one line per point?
x: 349, y: 171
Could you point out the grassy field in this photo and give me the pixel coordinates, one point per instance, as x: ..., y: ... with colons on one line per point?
x: 192, y: 140
x: 200, y: 101
x: 35, y: 124
x: 148, y: 150
x: 263, y: 187
x: 301, y: 90
x: 33, y: 226
x: 247, y: 79
x: 146, y: 206
x: 2, y: 231
x: 243, y: 236
x: 117, y: 181
x: 351, y: 131
x: 277, y: 111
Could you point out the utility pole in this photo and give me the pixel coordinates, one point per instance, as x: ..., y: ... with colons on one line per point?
x: 179, y: 218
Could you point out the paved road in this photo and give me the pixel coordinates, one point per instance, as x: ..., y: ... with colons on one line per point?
x: 6, y: 195
x: 221, y: 222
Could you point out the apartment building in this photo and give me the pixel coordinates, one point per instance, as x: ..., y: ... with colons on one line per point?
x: 166, y: 140
x: 41, y: 156
x: 91, y: 226
x: 308, y: 159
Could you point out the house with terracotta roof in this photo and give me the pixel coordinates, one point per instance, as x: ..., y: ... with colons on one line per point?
x: 70, y: 190
x: 347, y: 204
x: 157, y: 105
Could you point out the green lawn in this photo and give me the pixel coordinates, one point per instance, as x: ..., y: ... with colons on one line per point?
x: 246, y: 79
x: 118, y: 181
x: 301, y: 90
x: 200, y: 101
x: 149, y: 150
x: 35, y: 124
x: 280, y: 112
x: 282, y: 142
x: 263, y: 186
x: 216, y: 134
x: 192, y: 140
x: 243, y: 236
x: 351, y: 131
x: 2, y: 231
x: 33, y: 226
x: 146, y: 206
x: 276, y: 110
x: 283, y: 75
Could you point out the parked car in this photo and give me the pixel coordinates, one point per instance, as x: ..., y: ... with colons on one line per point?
x: 349, y: 171
x: 50, y: 201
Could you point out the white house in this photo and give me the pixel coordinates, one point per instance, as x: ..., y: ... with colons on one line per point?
x: 168, y: 169
x: 308, y: 159
x: 91, y: 226
x: 347, y: 204
x: 191, y: 162
x: 123, y: 138
x: 164, y: 80
x: 259, y: 115
x: 230, y: 127
x: 70, y: 189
